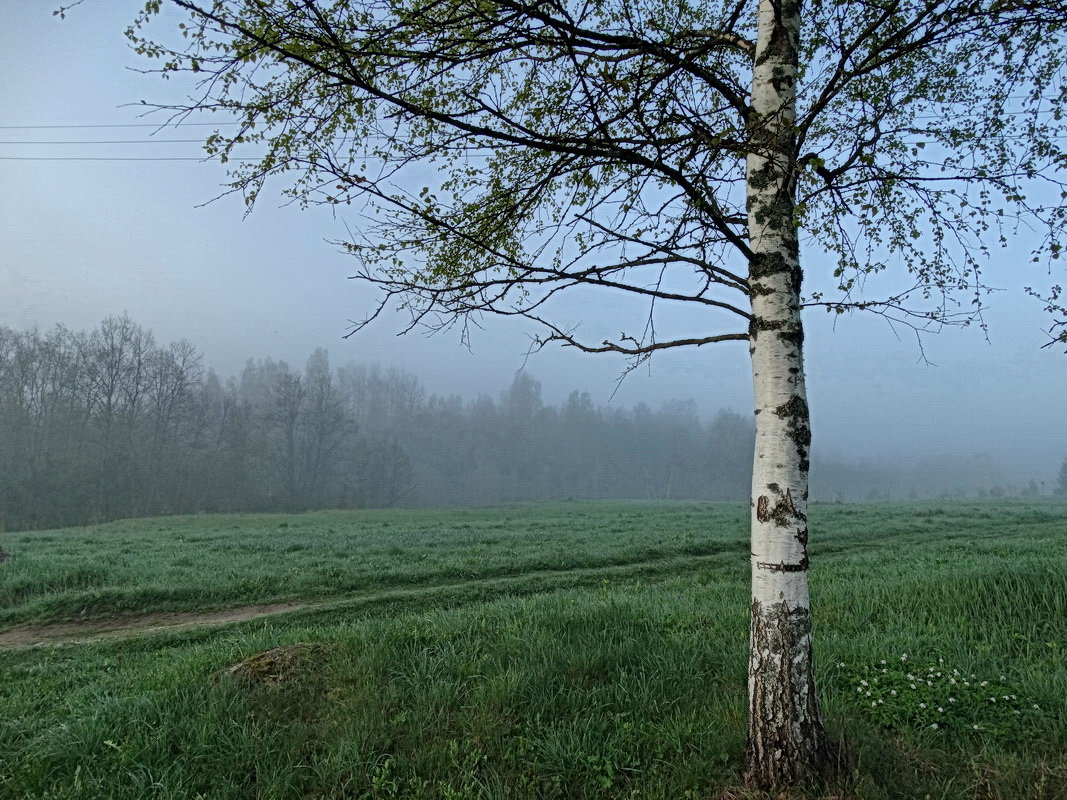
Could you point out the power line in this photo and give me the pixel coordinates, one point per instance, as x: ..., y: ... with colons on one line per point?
x: 111, y: 141
x: 202, y: 159
x: 129, y: 125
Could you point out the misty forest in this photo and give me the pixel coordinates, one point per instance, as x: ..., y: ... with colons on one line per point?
x: 105, y: 424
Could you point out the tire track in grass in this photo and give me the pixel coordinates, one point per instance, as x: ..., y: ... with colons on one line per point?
x: 67, y: 633
x: 481, y: 588
x: 67, y: 610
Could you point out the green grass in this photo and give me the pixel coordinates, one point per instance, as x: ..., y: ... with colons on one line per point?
x: 506, y: 657
x: 213, y: 562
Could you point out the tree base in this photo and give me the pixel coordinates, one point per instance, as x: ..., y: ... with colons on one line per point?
x: 787, y: 745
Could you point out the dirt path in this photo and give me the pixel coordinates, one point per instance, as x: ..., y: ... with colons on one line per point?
x: 163, y: 621
x: 60, y: 633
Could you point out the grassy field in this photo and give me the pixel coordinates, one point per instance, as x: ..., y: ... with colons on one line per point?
x: 548, y: 651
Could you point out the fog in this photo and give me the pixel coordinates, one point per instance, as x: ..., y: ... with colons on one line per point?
x: 111, y: 422
x: 81, y: 240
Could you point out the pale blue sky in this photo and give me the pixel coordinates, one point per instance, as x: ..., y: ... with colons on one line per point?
x: 83, y: 239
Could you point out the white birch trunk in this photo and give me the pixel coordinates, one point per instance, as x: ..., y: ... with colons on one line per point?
x: 786, y: 744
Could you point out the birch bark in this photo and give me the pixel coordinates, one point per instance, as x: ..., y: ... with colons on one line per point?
x: 786, y: 743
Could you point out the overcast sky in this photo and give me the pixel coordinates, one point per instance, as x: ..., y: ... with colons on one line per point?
x: 81, y: 239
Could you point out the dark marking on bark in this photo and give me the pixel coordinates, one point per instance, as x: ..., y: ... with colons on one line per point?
x: 764, y: 324
x: 759, y: 324
x: 767, y: 265
x: 760, y: 179
x: 795, y: 414
x: 786, y: 743
x: 782, y: 44
x: 793, y: 408
x: 794, y: 337
x: 782, y: 566
x: 784, y: 512
x: 758, y: 289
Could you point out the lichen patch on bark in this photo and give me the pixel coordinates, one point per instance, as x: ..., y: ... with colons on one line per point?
x: 794, y: 412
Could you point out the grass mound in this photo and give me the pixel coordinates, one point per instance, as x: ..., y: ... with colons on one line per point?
x: 279, y: 665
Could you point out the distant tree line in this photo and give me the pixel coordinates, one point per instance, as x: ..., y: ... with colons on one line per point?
x: 110, y: 423
x: 519, y: 448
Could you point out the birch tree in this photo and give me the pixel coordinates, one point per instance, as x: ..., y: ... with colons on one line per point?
x: 494, y: 153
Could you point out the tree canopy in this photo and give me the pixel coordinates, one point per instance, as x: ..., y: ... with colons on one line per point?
x: 496, y: 153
